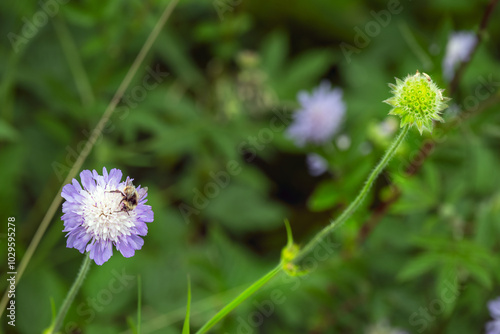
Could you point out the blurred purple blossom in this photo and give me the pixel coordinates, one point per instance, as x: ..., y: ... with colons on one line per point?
x: 459, y: 48
x: 493, y: 327
x: 319, y: 117
x: 317, y: 164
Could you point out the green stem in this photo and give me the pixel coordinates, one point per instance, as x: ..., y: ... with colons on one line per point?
x: 71, y: 294
x: 238, y: 300
x: 361, y: 196
x: 317, y: 239
x: 139, y: 303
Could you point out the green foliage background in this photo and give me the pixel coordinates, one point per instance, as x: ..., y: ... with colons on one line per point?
x: 233, y: 66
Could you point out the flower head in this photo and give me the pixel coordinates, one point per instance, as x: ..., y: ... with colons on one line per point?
x: 493, y: 327
x: 319, y: 116
x: 101, y: 215
x: 418, y: 101
x: 459, y: 48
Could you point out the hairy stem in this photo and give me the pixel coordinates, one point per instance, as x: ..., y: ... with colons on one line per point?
x: 238, y: 300
x: 71, y: 294
x: 318, y: 238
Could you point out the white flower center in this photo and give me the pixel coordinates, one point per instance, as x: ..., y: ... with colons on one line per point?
x: 103, y: 215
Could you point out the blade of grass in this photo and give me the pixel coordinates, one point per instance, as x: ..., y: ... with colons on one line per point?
x: 197, y: 308
x: 185, y: 328
x: 239, y: 299
x: 75, y: 63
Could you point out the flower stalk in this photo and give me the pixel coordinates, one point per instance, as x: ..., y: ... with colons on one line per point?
x: 359, y: 199
x: 71, y: 295
x: 289, y: 265
x: 419, y: 102
x: 239, y: 299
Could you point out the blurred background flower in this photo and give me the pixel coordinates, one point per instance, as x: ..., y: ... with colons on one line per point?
x: 459, y: 47
x: 319, y: 117
x: 493, y: 327
x: 317, y: 164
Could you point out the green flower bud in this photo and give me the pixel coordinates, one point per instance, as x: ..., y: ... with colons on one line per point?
x: 418, y: 101
x: 288, y: 254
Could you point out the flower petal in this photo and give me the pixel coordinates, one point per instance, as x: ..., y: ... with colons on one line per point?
x: 100, y: 251
x: 88, y: 181
x: 128, y: 245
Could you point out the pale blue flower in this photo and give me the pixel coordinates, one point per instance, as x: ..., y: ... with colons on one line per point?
x: 317, y: 164
x: 95, y: 217
x: 459, y: 48
x: 319, y: 117
x: 493, y: 327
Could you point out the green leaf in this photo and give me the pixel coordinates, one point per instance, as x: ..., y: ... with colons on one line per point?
x: 239, y: 208
x: 417, y: 195
x: 7, y: 131
x: 419, y: 266
x: 447, y: 287
x: 324, y: 197
x: 482, y: 167
x: 273, y: 52
x: 305, y: 70
x: 479, y: 272
x: 172, y: 51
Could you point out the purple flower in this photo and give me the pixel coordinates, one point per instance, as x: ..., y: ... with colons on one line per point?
x: 317, y: 164
x: 459, y: 48
x: 319, y: 116
x: 493, y: 327
x: 96, y: 216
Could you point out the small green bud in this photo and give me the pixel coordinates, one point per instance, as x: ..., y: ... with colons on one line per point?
x: 288, y: 254
x: 418, y: 101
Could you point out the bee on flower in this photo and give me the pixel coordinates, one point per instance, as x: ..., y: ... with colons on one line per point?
x: 105, y: 212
